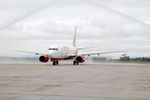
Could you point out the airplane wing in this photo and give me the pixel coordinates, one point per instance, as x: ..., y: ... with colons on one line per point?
x: 36, y: 53
x: 98, y: 53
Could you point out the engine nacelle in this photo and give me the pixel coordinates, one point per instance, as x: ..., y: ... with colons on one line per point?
x: 80, y: 58
x: 44, y: 58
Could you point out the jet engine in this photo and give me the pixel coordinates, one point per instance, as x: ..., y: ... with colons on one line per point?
x: 44, y: 58
x: 80, y: 58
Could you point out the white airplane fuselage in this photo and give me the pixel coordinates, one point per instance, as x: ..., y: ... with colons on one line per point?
x: 61, y: 52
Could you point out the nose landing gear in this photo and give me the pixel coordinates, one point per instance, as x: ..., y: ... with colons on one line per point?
x: 55, y: 63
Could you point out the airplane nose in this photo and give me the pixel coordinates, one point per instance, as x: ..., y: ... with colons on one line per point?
x: 50, y: 53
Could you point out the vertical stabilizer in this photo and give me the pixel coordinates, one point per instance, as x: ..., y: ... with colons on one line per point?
x: 74, y: 38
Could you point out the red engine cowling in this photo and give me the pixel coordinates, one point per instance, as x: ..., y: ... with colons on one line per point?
x: 44, y: 58
x: 80, y: 58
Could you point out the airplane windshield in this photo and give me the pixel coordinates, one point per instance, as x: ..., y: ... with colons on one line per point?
x: 53, y: 49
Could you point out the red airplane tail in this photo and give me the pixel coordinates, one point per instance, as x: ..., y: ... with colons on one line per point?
x: 74, y: 38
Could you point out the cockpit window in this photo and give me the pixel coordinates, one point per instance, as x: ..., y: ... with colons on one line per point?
x: 53, y: 49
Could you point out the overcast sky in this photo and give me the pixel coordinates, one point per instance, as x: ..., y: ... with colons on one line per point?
x: 107, y: 24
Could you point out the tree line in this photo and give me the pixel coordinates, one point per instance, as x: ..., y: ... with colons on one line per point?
x: 127, y: 58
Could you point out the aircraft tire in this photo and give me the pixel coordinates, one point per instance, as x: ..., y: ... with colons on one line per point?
x: 55, y: 63
x: 75, y: 63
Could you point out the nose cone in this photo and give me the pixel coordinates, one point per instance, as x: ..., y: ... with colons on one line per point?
x: 51, y: 53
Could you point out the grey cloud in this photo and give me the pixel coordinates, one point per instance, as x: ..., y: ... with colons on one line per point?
x: 97, y: 25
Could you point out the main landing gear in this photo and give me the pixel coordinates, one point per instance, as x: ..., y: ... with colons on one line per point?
x: 55, y: 63
x: 75, y: 63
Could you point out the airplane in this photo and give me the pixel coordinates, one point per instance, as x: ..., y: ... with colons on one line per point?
x: 55, y: 54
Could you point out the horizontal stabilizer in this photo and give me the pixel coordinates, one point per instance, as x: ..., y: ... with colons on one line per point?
x: 85, y: 48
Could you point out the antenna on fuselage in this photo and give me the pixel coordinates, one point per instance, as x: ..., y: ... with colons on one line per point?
x: 74, y: 38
